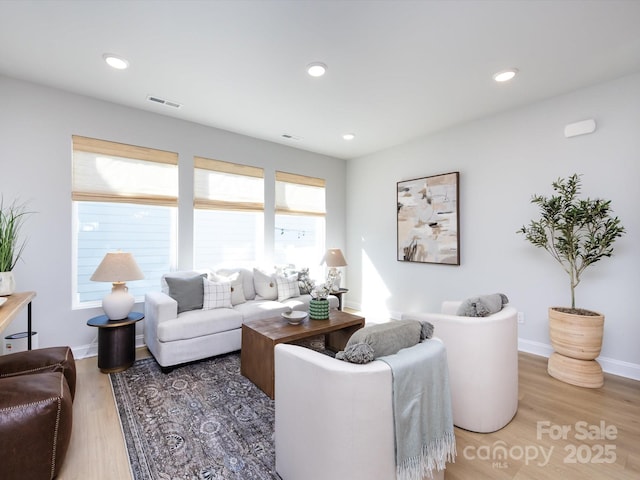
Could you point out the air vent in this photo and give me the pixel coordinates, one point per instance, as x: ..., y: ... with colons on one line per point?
x: 162, y: 101
x: 290, y: 137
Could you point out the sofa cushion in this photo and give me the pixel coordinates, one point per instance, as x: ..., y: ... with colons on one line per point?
x: 287, y: 287
x: 265, y: 285
x: 305, y: 283
x: 188, y: 292
x: 482, y: 306
x: 237, y: 285
x: 246, y: 275
x: 164, y: 286
x: 380, y: 340
x: 260, y: 309
x: 198, y: 323
x: 216, y: 295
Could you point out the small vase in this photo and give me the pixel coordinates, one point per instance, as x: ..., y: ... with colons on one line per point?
x: 319, y: 309
x: 7, y: 283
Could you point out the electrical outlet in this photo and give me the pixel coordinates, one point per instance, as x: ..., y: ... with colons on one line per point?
x: 520, y: 317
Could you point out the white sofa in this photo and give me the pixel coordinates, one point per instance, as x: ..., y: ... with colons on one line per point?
x: 482, y: 353
x: 174, y: 338
x: 333, y: 419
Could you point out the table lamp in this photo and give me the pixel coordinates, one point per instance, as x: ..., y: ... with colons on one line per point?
x: 334, y: 258
x: 117, y: 268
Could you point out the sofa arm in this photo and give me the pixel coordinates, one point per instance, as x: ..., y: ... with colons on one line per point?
x: 158, y: 307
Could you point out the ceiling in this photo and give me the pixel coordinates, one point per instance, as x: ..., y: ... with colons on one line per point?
x: 396, y: 69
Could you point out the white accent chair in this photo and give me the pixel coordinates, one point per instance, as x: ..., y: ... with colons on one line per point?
x: 482, y: 354
x: 333, y: 419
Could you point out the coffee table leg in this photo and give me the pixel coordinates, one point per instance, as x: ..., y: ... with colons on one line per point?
x: 336, y: 341
x: 257, y: 360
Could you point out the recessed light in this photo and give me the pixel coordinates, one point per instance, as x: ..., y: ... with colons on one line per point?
x: 505, y: 75
x: 349, y: 136
x: 115, y: 61
x: 316, y: 69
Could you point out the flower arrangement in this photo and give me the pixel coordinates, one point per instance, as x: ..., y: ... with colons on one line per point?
x: 320, y: 292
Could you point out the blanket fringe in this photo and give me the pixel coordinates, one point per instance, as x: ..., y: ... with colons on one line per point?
x: 434, y: 456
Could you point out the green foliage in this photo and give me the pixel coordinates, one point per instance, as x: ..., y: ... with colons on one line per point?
x: 11, y: 219
x: 576, y: 232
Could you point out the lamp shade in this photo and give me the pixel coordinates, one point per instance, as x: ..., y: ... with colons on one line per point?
x: 334, y: 258
x: 117, y: 267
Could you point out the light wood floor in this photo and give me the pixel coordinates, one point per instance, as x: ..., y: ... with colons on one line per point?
x: 97, y: 449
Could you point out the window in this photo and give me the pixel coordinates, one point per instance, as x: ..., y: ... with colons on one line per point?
x: 124, y: 198
x: 229, y: 214
x: 300, y: 221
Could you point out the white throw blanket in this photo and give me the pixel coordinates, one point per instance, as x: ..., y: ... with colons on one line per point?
x: 422, y: 410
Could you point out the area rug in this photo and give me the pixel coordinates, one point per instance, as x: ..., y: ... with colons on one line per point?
x: 200, y: 421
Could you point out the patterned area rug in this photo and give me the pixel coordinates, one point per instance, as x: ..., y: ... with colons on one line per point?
x: 201, y: 421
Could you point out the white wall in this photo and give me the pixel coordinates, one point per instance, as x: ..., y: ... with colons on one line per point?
x: 502, y: 161
x: 36, y: 125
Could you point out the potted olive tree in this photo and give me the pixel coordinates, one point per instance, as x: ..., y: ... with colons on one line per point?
x: 12, y: 217
x: 577, y: 232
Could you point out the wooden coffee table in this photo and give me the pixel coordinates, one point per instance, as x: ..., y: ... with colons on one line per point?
x: 259, y: 337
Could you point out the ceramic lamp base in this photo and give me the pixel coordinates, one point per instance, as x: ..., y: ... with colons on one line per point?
x: 119, y: 303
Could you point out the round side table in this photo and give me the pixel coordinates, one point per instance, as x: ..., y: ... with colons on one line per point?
x: 339, y: 293
x: 116, y: 341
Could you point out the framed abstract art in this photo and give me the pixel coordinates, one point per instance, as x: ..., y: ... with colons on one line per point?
x: 428, y: 219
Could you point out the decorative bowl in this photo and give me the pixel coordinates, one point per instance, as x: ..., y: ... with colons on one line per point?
x: 294, y: 318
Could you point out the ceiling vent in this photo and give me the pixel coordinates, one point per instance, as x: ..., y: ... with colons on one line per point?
x: 290, y: 137
x: 162, y: 101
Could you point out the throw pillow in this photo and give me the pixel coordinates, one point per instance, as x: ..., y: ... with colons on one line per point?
x: 383, y: 339
x: 482, y: 306
x: 304, y: 281
x: 357, y: 353
x: 265, y: 285
x: 188, y: 292
x: 216, y: 295
x: 287, y: 287
x: 237, y: 290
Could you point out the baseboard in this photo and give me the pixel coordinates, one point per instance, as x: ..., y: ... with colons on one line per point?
x: 91, y: 349
x: 535, y: 348
x: 609, y: 365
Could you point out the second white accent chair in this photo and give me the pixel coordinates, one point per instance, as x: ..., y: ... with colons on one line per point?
x: 482, y: 354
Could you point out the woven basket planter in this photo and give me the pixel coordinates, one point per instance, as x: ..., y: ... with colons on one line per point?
x: 577, y: 340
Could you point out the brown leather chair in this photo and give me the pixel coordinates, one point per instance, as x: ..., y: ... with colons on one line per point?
x: 36, y: 412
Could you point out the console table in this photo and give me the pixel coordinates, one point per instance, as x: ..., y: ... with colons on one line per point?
x: 14, y: 304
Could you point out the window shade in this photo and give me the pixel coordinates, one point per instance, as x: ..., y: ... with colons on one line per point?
x: 222, y: 185
x: 115, y: 172
x: 299, y: 195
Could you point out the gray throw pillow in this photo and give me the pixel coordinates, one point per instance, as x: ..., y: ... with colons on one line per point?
x: 188, y: 292
x: 382, y: 339
x: 482, y: 306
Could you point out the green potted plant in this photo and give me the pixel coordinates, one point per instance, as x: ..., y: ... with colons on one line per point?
x: 12, y: 217
x: 577, y: 232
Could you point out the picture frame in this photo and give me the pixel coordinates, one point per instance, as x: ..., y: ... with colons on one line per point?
x: 428, y: 219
